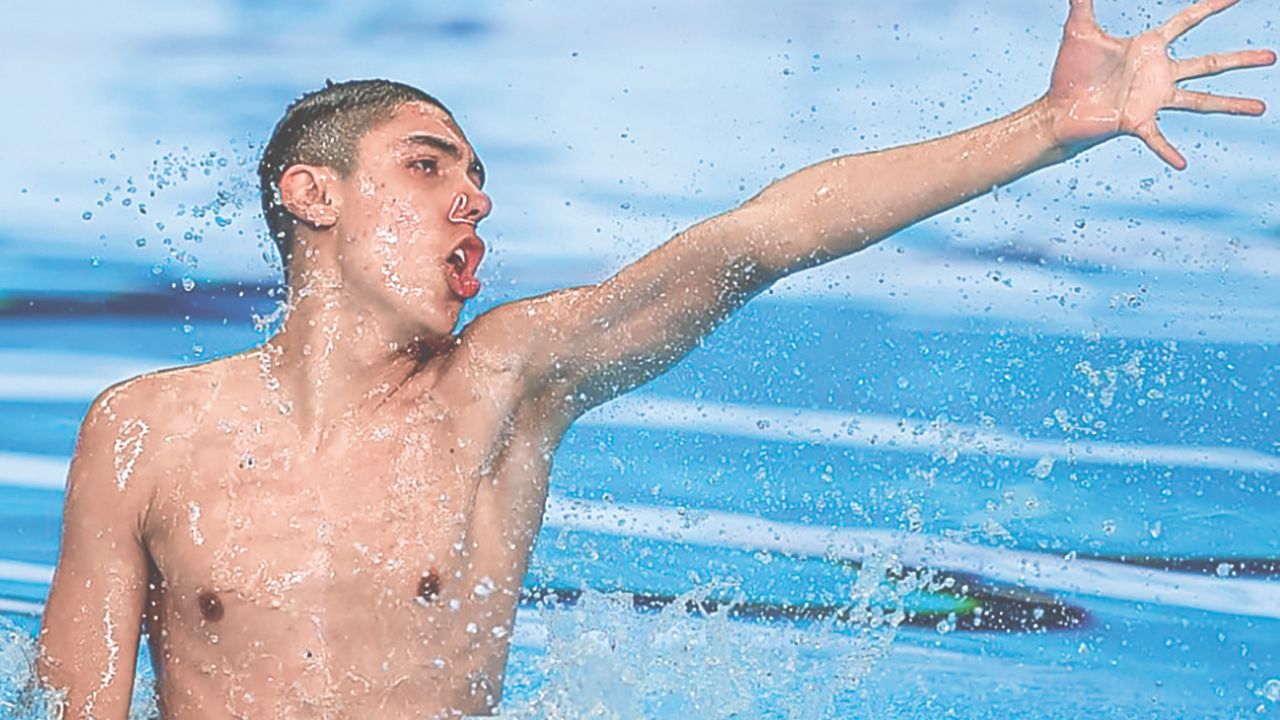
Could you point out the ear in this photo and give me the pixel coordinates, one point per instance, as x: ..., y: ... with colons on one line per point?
x: 308, y: 193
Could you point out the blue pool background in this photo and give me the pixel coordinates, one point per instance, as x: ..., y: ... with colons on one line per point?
x: 1079, y: 369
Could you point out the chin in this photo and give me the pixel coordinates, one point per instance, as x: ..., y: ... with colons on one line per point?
x: 434, y: 324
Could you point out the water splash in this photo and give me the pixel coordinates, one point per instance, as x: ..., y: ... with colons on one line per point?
x: 694, y: 658
x: 21, y: 697
x: 184, y: 196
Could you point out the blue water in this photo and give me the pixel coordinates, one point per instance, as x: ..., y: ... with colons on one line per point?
x: 1078, y: 372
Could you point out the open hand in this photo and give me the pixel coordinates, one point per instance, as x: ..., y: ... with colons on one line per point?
x: 1105, y: 86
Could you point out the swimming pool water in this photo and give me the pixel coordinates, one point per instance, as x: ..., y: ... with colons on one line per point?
x: 1062, y: 397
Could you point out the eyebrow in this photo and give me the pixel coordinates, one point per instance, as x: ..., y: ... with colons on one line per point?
x: 446, y: 146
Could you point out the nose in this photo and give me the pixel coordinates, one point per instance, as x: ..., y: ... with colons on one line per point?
x: 470, y: 207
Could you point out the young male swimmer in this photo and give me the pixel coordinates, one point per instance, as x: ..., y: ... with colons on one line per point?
x: 337, y: 523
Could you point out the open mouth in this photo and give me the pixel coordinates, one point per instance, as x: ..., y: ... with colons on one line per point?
x: 463, y: 261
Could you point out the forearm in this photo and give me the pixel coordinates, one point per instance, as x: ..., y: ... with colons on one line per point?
x: 842, y: 205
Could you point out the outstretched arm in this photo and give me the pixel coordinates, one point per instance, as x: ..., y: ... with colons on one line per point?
x: 599, y: 341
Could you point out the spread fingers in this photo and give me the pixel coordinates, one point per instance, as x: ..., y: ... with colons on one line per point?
x: 1179, y: 24
x: 1160, y: 145
x: 1222, y: 62
x: 1207, y: 103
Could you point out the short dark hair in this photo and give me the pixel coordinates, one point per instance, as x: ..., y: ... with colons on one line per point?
x: 324, y: 127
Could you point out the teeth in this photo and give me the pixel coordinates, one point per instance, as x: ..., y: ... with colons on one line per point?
x: 460, y: 255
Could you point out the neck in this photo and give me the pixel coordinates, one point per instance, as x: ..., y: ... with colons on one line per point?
x: 335, y: 354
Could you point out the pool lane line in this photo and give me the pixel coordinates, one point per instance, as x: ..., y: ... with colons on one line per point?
x: 885, y: 433
x: 978, y: 610
x: 20, y: 607
x: 1222, y: 565
x: 41, y: 472
x: 1018, y: 568
x: 26, y: 572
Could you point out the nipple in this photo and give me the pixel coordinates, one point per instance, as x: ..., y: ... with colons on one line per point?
x: 428, y: 588
x: 210, y: 606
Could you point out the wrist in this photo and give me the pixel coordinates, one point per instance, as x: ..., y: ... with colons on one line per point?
x: 1048, y: 117
x: 1062, y: 137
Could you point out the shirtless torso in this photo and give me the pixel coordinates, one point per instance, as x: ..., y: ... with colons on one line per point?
x: 337, y: 524
x: 374, y: 575
x: 371, y: 573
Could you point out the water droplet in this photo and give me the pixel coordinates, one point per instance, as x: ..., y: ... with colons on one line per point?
x: 947, y: 624
x: 95, y: 261
x: 140, y: 242
x: 1080, y: 224
x: 1271, y: 690
x: 1042, y: 469
x: 188, y: 284
x: 87, y: 215
x: 1224, y: 569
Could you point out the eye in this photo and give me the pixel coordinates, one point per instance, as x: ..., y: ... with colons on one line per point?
x: 428, y: 165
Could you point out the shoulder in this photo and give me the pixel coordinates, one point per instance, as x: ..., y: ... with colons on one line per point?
x: 521, y: 342
x: 131, y: 434
x: 128, y: 424
x: 155, y: 400
x: 526, y: 328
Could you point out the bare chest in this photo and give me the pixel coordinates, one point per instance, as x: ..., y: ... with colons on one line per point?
x: 387, y: 513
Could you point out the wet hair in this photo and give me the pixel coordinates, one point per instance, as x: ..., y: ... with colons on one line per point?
x: 324, y: 127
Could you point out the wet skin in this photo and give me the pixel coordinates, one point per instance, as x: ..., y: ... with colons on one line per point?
x: 321, y: 536
x: 337, y: 524
x: 376, y: 577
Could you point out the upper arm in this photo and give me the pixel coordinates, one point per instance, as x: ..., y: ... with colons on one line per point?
x: 92, y: 621
x: 589, y: 344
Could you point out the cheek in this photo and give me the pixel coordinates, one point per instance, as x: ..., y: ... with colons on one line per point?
x: 389, y: 250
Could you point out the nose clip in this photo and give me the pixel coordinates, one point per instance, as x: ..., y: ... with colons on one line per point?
x: 459, y: 207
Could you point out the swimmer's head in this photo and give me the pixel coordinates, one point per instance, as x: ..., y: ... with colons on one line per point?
x: 375, y: 181
x: 323, y: 128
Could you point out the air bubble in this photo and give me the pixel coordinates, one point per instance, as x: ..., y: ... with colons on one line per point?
x: 1271, y: 690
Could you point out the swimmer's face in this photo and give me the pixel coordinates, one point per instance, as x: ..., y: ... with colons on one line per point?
x: 407, y: 230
